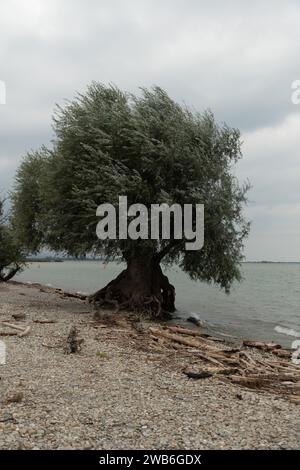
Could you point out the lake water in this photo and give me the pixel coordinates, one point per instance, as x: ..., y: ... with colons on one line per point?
x: 268, y: 297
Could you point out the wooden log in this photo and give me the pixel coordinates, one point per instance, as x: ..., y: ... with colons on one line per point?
x: 215, y: 355
x: 11, y: 325
x: 250, y: 382
x: 176, y: 338
x: 200, y: 343
x: 184, y: 331
x: 25, y: 332
x: 73, y: 296
x: 206, y: 339
x: 207, y: 358
x: 295, y: 399
x: 261, y: 345
x: 248, y: 357
x: 284, y: 353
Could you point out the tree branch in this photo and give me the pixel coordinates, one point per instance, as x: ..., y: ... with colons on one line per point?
x: 167, y: 249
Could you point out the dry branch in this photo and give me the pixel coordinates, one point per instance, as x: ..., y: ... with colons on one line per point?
x: 275, y: 376
x: 24, y: 331
x: 261, y: 345
x: 185, y: 331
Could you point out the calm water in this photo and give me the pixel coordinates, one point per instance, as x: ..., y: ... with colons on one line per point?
x: 268, y: 296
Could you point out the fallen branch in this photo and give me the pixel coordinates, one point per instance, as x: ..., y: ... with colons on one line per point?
x: 261, y: 345
x: 185, y: 331
x: 24, y: 331
x: 176, y: 338
x: 274, y: 376
x: 73, y: 296
x: 11, y: 325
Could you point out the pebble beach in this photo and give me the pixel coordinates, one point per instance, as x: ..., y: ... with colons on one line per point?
x: 118, y: 391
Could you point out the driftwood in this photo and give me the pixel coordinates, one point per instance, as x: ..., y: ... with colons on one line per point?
x: 201, y: 343
x: 295, y: 399
x: 261, y: 345
x: 11, y: 325
x: 285, y: 353
x: 176, y: 338
x: 23, y: 331
x: 185, y: 331
x: 73, y: 295
x: 235, y: 364
x: 206, y: 372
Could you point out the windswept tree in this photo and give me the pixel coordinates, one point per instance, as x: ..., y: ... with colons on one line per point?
x: 11, y: 255
x: 149, y: 148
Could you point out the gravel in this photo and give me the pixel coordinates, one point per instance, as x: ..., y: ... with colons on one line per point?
x: 118, y: 392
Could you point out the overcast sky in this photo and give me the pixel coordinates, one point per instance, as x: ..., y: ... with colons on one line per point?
x: 238, y: 58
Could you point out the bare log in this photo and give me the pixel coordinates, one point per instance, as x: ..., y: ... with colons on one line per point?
x: 176, y: 338
x: 261, y: 345
x: 184, y: 331
x: 25, y: 332
x: 12, y: 325
x: 295, y: 399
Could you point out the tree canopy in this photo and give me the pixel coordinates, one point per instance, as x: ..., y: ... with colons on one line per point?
x: 151, y: 149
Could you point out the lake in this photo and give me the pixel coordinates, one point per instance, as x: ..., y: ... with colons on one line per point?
x: 268, y: 297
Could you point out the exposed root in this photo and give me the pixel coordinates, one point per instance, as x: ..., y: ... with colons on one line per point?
x: 140, y: 289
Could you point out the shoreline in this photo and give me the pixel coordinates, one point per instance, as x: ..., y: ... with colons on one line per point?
x: 252, y: 310
x: 208, y: 328
x: 126, y: 387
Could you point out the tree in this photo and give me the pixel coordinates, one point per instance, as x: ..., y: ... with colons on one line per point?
x: 11, y: 255
x: 109, y: 143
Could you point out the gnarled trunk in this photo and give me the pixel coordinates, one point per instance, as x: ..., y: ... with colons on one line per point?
x: 9, y: 274
x: 141, y: 286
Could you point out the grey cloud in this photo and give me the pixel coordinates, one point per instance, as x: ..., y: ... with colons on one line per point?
x: 237, y: 58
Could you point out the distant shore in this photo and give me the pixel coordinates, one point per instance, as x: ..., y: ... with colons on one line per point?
x: 124, y: 388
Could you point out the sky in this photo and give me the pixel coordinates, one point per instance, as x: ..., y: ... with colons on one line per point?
x: 237, y: 58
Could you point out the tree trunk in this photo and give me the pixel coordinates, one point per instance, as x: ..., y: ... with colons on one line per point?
x: 142, y: 286
x: 10, y: 274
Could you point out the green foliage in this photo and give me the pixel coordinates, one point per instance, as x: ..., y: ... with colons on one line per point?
x: 102, y: 355
x: 11, y: 255
x: 149, y: 148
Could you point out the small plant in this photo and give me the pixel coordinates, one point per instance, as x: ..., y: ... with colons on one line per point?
x: 102, y: 355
